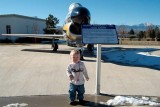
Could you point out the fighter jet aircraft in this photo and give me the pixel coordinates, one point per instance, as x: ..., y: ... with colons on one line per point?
x: 77, y: 15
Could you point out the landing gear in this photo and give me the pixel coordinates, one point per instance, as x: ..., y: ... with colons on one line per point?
x: 55, y: 46
x: 80, y: 48
x: 81, y: 54
x: 90, y: 47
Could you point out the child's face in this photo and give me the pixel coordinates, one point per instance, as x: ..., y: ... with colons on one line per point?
x: 75, y: 58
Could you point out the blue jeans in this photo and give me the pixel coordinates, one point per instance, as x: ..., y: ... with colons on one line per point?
x: 76, y: 88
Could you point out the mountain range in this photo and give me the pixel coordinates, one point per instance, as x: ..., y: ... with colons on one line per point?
x: 139, y: 27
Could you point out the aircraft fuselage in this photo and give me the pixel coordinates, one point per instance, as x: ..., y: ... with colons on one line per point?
x: 77, y: 15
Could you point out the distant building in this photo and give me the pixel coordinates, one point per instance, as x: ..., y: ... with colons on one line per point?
x: 13, y: 23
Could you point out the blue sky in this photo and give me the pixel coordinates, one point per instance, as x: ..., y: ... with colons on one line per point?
x: 117, y: 12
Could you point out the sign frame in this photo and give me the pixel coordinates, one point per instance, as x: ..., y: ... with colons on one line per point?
x: 99, y: 34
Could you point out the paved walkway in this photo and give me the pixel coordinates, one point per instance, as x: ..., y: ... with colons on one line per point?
x: 27, y: 70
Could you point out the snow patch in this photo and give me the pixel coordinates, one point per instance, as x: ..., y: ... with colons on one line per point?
x: 132, y: 57
x: 147, y: 54
x: 16, y: 105
x: 122, y: 101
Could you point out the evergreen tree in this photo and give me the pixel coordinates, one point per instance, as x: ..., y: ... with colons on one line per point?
x: 141, y: 34
x: 131, y: 32
x: 51, y: 23
x: 152, y: 34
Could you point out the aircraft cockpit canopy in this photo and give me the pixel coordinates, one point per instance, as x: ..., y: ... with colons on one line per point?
x: 74, y: 5
x: 71, y: 7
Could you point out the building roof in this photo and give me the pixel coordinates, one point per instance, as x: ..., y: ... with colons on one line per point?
x: 22, y: 16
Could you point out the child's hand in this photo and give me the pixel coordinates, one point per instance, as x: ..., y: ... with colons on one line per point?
x: 87, y: 78
x: 71, y: 77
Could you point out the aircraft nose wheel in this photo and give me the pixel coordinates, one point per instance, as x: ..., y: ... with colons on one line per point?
x: 55, y: 46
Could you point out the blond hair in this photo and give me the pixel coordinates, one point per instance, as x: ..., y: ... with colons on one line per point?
x: 74, y: 52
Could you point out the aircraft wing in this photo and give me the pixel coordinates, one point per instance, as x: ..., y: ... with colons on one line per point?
x: 47, y: 36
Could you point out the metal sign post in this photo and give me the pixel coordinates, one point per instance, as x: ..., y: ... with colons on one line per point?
x: 98, y: 69
x: 99, y: 34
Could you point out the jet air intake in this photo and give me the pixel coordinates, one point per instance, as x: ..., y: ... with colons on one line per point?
x: 80, y: 15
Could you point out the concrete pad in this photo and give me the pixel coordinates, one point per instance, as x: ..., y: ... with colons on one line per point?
x: 35, y: 70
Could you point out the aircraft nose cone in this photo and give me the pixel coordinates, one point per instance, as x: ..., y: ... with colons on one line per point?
x: 80, y: 15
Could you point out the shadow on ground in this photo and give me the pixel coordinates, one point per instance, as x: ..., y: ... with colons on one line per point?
x: 48, y: 51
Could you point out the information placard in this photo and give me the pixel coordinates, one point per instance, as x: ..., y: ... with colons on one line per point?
x: 99, y: 34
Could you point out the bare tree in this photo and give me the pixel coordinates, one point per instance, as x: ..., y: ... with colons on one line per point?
x: 157, y: 33
x: 122, y: 30
x: 35, y: 28
x: 150, y: 33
